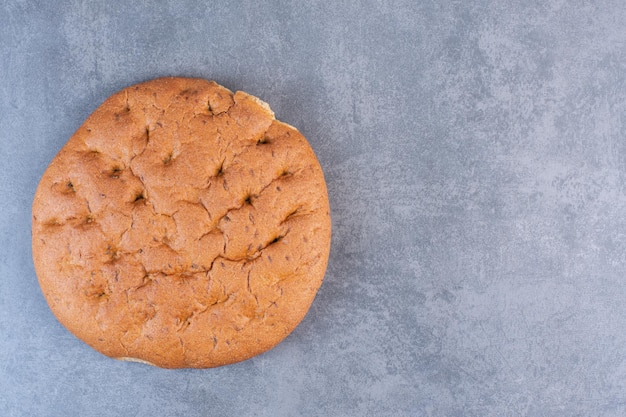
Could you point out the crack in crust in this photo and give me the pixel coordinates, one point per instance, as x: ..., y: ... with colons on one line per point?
x: 184, y: 221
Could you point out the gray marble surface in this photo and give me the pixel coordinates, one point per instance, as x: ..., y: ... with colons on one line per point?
x: 475, y: 154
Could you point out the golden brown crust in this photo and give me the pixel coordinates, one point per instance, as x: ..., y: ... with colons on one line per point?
x: 182, y: 226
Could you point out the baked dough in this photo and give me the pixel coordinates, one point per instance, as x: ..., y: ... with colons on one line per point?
x: 182, y: 226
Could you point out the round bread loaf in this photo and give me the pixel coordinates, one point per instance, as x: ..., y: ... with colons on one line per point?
x: 181, y: 226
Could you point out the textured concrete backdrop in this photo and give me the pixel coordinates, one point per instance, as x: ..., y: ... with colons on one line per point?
x: 475, y: 153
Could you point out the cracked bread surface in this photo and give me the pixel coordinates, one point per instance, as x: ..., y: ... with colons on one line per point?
x: 182, y: 226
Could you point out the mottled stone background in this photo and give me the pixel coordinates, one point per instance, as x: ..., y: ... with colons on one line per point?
x: 475, y: 153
